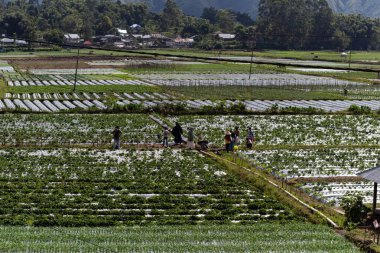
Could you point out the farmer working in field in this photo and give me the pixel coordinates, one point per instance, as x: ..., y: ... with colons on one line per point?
x: 177, y: 132
x: 116, y: 137
x: 250, y: 137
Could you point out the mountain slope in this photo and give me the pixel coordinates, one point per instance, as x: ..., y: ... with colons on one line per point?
x: 368, y: 8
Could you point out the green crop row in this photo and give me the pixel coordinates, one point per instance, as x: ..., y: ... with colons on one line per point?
x: 80, y: 187
x: 261, y: 237
x: 288, y: 129
x: 75, y: 128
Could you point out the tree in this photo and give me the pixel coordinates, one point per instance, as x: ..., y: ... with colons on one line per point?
x: 246, y: 36
x: 72, y: 24
x: 210, y: 14
x: 105, y: 25
x: 53, y: 36
x: 16, y: 23
x: 171, y: 16
x: 295, y: 24
x: 361, y: 30
x: 225, y: 21
x: 340, y: 40
x: 243, y: 18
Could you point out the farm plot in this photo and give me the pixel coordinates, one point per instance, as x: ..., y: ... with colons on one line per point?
x: 50, y: 105
x: 5, y: 67
x: 18, y: 76
x: 315, y: 163
x: 242, y: 80
x: 135, y: 62
x: 261, y: 238
x: 89, y: 96
x: 325, y: 105
x: 327, y: 174
x: 55, y: 102
x: 332, y: 192
x: 81, y: 187
x: 81, y: 71
x: 66, y: 129
x: 60, y: 82
x: 289, y: 129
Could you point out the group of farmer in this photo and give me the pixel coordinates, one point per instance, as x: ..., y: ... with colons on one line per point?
x: 177, y: 132
x: 231, y: 138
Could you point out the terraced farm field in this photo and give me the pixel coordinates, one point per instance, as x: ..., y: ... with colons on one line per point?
x: 261, y: 238
x: 69, y: 129
x: 64, y: 190
x: 80, y: 187
x: 288, y: 129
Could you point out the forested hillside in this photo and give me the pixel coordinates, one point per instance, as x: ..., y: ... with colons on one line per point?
x: 369, y: 8
x: 285, y: 24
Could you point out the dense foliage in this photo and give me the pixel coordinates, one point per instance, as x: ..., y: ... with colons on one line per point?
x: 280, y: 24
x: 305, y: 24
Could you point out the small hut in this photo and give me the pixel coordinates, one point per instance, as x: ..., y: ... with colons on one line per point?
x: 372, y: 175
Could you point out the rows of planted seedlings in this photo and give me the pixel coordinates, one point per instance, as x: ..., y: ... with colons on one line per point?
x: 288, y: 129
x: 332, y: 192
x: 80, y: 187
x: 321, y: 162
x: 262, y: 237
x: 79, y: 82
x: 88, y: 96
x: 81, y: 71
x: 59, y: 129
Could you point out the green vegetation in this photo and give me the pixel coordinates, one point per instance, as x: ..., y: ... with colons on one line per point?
x: 327, y: 55
x: 259, y: 238
x: 251, y: 93
x: 288, y: 130
x: 56, y: 130
x: 204, y: 68
x: 286, y: 25
x: 128, y: 187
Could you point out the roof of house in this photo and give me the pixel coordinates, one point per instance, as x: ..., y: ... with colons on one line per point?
x: 158, y: 36
x: 7, y: 40
x: 141, y: 36
x: 183, y: 40
x: 226, y: 36
x: 135, y: 26
x: 122, y: 31
x: 73, y: 36
x: 371, y: 174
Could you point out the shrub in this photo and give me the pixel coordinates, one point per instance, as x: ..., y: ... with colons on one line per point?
x: 354, y: 209
x: 355, y: 109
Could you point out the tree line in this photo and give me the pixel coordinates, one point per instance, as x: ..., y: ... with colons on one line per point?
x: 311, y: 24
x: 281, y: 24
